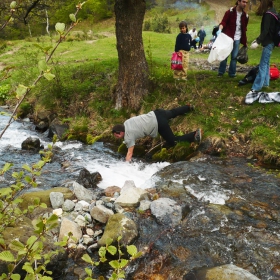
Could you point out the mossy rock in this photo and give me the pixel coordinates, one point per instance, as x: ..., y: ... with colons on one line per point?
x: 162, y: 155
x: 44, y: 196
x: 182, y: 151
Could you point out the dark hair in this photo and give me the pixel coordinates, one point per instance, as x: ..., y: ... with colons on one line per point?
x: 183, y: 23
x: 264, y: 6
x: 118, y: 128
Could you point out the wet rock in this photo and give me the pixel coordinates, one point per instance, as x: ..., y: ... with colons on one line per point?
x: 223, y: 272
x: 89, y: 180
x: 166, y: 211
x: 58, y: 128
x: 81, y: 192
x: 31, y: 144
x: 119, y: 225
x: 131, y: 196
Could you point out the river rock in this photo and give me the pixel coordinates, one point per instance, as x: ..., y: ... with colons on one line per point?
x: 56, y: 199
x: 101, y: 214
x: 70, y: 226
x: 31, y: 144
x: 223, y: 272
x: 131, y: 196
x: 166, y: 211
x: 87, y: 179
x: 81, y: 192
x: 119, y: 225
x: 44, y: 196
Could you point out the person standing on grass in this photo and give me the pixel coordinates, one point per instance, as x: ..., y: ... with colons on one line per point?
x: 151, y: 124
x: 268, y: 28
x: 234, y: 24
x: 201, y: 34
x: 183, y: 45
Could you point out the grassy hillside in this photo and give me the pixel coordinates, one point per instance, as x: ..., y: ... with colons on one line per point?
x: 86, y: 72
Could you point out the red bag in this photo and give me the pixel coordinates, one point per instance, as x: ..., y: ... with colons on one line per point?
x: 274, y: 72
x: 177, y: 61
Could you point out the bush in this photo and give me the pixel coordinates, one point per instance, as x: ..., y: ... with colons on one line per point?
x: 158, y: 24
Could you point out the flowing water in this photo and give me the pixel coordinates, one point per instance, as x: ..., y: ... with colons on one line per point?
x: 73, y: 156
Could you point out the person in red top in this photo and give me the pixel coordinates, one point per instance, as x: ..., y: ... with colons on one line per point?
x: 234, y: 24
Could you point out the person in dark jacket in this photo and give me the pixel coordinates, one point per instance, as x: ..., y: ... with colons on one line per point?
x: 234, y: 24
x: 268, y: 28
x: 201, y: 34
x: 183, y: 45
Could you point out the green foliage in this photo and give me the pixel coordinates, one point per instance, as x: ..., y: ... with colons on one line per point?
x: 118, y: 264
x: 158, y: 24
x: 4, y: 91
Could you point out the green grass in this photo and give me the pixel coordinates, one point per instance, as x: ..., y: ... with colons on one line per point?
x: 86, y: 73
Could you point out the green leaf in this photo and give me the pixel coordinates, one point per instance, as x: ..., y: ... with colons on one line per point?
x: 131, y: 250
x: 27, y: 167
x: 42, y: 65
x: 7, y: 166
x: 21, y: 90
x: 15, y: 277
x: 5, y: 191
x: 112, y: 250
x: 7, y: 256
x: 31, y: 240
x: 13, y: 4
x: 114, y: 264
x: 88, y: 271
x: 72, y: 17
x: 109, y: 241
x: 60, y: 27
x: 28, y: 179
x: 16, y: 245
x: 28, y: 268
x: 43, y: 205
x: 86, y: 258
x: 52, y: 219
x: 102, y: 251
x: 123, y: 263
x: 49, y: 76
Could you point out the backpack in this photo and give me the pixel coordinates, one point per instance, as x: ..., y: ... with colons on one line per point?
x: 276, y: 35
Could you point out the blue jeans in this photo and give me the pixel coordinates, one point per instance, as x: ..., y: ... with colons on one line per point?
x: 263, y: 76
x: 233, y: 61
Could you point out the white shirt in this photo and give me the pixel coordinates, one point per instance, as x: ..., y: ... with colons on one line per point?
x: 237, y: 34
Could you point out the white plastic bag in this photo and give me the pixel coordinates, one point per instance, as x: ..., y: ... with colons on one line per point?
x: 221, y: 48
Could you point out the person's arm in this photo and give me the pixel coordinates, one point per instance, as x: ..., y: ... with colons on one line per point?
x: 129, y: 153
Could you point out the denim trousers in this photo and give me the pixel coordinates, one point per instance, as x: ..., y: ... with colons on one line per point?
x: 263, y: 76
x: 233, y: 61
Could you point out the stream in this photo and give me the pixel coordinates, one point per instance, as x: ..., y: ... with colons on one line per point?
x: 231, y: 210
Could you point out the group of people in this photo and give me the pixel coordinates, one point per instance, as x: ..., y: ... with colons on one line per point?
x: 234, y: 24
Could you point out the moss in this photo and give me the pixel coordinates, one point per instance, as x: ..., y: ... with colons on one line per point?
x: 91, y: 140
x: 162, y: 155
x: 44, y: 196
x: 182, y: 150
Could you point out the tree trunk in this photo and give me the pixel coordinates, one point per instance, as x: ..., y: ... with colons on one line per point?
x: 133, y: 76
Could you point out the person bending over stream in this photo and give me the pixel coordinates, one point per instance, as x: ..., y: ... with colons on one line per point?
x: 151, y: 124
